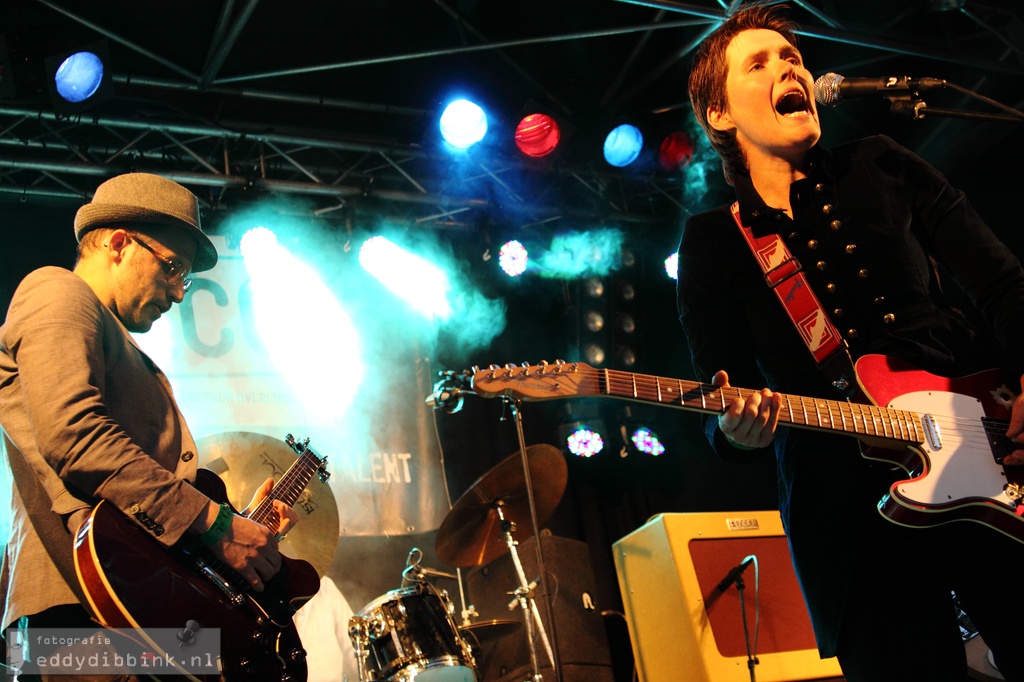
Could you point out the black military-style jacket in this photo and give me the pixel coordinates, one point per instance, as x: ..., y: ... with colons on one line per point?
x: 904, y: 266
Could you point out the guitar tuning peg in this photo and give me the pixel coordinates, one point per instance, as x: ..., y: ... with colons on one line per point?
x: 475, y: 369
x: 558, y: 365
x: 526, y: 369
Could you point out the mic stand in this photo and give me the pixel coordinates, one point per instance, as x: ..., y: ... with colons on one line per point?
x: 916, y: 108
x: 523, y: 595
x: 751, y: 658
x: 517, y: 414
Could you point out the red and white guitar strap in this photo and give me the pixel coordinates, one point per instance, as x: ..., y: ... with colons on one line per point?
x: 784, y: 275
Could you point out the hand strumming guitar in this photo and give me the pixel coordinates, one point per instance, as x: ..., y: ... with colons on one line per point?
x: 250, y: 548
x: 750, y: 421
x: 1016, y: 430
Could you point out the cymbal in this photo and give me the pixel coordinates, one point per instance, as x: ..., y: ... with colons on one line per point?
x: 470, y: 534
x: 243, y: 460
x: 490, y: 629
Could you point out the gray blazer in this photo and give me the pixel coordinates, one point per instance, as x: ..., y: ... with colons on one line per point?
x: 95, y: 418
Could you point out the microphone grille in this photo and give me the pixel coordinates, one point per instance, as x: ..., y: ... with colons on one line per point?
x: 826, y: 89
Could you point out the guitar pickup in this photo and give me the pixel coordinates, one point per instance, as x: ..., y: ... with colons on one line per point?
x: 234, y: 597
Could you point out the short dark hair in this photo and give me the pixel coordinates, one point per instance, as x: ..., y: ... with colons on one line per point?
x: 709, y: 70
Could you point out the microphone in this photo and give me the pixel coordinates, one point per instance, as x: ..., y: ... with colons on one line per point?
x: 731, y: 577
x: 448, y: 394
x: 447, y: 398
x: 831, y: 89
x: 734, y: 574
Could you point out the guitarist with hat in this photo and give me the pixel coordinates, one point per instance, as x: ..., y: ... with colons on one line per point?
x: 87, y: 416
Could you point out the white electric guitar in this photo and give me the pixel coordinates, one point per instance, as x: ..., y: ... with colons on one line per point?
x: 948, y: 434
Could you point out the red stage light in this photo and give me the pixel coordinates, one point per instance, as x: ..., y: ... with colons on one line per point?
x: 676, y: 151
x: 537, y: 135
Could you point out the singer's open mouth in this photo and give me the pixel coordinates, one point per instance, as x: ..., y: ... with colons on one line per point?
x: 793, y: 104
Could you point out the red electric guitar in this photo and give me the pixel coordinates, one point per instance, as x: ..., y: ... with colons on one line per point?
x: 134, y: 582
x: 946, y: 433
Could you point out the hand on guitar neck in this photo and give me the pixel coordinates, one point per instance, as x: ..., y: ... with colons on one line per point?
x: 750, y: 421
x: 1016, y: 430
x: 249, y: 547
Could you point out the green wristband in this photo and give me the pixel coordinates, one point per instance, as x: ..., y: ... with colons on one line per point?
x: 220, y: 526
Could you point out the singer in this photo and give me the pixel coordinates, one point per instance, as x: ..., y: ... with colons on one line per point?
x: 881, y: 237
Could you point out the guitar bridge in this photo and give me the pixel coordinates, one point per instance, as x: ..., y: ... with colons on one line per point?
x: 234, y: 597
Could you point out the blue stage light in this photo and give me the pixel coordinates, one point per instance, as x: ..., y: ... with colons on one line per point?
x: 623, y: 145
x: 463, y: 124
x: 79, y: 77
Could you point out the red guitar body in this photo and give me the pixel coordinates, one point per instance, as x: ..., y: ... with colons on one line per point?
x: 133, y: 581
x: 957, y: 474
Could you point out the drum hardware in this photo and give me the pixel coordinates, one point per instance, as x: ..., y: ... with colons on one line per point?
x: 466, y: 539
x: 409, y: 634
x: 414, y: 573
x: 480, y: 526
x: 524, y: 597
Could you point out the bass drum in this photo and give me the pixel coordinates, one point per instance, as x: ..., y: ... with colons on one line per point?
x: 410, y: 634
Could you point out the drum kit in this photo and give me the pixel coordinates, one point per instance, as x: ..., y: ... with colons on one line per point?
x: 411, y: 633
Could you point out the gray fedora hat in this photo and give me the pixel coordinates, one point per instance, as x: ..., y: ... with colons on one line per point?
x: 136, y: 198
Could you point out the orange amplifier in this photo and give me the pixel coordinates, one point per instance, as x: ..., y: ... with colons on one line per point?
x: 682, y: 627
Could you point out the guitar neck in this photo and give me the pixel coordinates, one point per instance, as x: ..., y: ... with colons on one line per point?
x: 579, y: 380
x: 288, y: 487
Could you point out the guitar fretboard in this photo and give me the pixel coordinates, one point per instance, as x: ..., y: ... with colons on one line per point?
x: 812, y: 413
x: 288, y: 488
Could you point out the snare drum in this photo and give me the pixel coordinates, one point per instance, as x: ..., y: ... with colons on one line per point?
x: 409, y: 634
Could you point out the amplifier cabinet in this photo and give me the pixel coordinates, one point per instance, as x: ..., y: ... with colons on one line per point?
x: 682, y: 627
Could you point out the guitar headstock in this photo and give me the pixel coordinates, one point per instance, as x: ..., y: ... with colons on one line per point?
x: 536, y: 382
x: 301, y: 447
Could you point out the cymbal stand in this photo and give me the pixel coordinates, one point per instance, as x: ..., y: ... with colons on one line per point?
x: 514, y: 407
x: 524, y: 595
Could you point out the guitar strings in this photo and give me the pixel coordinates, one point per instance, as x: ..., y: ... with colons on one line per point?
x: 864, y: 419
x: 287, y: 489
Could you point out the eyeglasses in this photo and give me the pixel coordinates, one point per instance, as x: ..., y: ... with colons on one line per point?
x: 174, y: 271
